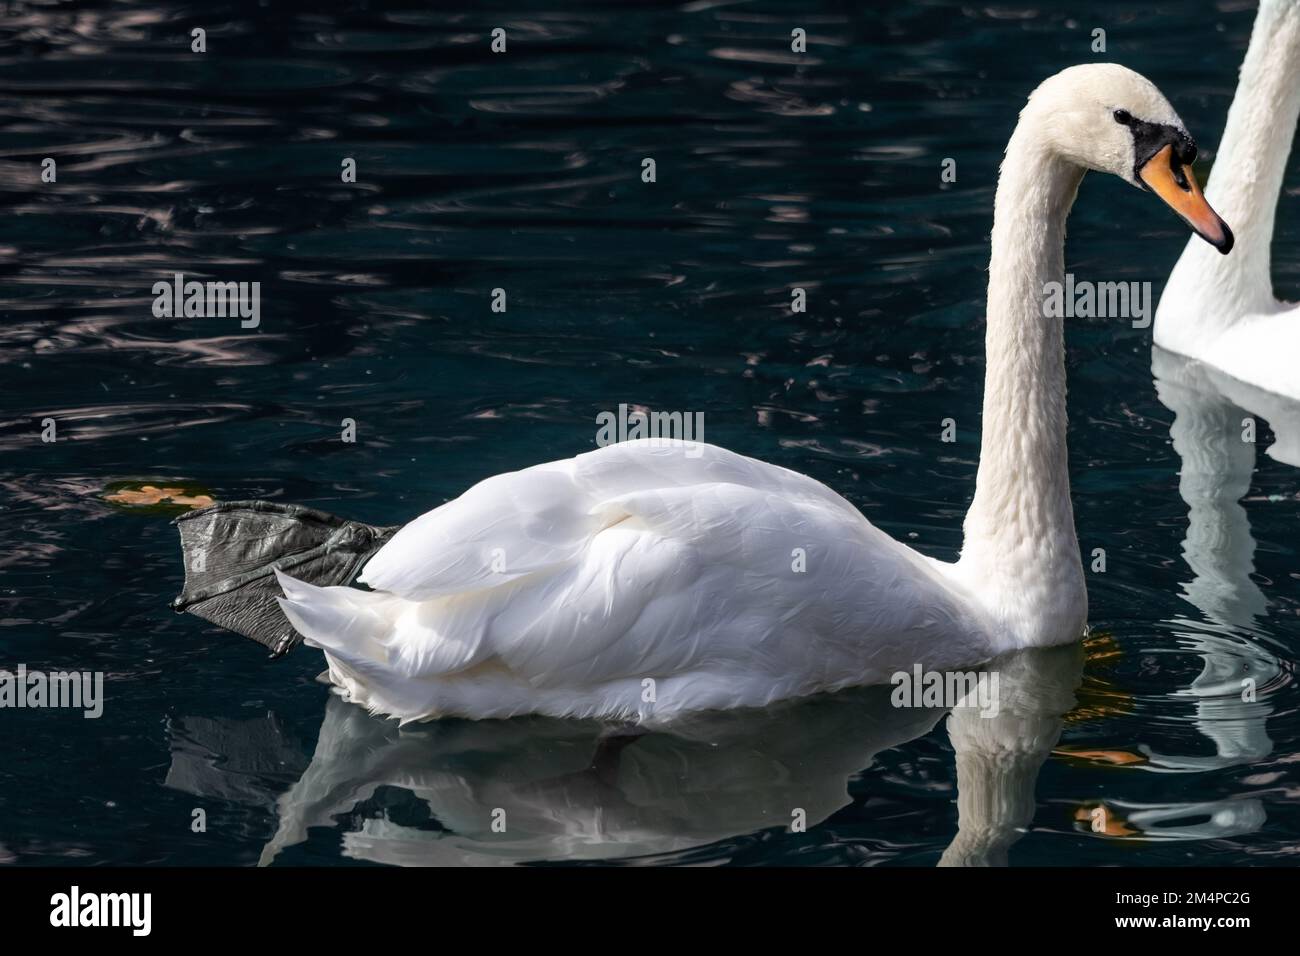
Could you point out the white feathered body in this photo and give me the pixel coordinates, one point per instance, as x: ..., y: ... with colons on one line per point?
x: 637, y: 582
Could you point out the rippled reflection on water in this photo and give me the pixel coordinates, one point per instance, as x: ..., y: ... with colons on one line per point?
x: 522, y: 172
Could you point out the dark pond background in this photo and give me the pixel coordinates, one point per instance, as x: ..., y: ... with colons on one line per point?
x: 522, y: 171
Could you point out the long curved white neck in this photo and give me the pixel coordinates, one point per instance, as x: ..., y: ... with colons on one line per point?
x: 1248, y: 170
x: 1020, y: 548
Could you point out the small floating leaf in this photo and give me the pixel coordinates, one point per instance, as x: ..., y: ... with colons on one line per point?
x: 1114, y: 758
x: 1112, y: 824
x: 164, y: 497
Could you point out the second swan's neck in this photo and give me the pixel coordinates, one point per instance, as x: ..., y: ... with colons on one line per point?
x: 1020, y: 552
x: 1247, y: 177
x: 1246, y: 180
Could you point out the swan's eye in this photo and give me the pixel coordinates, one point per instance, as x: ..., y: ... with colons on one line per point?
x: 1123, y: 116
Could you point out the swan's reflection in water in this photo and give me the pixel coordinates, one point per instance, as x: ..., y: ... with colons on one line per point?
x: 1231, y: 695
x: 998, y: 757
x: 570, y: 790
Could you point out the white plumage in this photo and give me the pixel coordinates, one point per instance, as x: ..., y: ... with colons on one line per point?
x: 560, y: 589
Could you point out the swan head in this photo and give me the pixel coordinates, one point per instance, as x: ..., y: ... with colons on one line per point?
x: 1103, y: 116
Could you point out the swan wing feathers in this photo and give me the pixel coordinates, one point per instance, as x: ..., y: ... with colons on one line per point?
x: 632, y: 561
x: 518, y: 523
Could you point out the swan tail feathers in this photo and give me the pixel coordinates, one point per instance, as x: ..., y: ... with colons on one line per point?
x: 342, y: 620
x: 355, y: 629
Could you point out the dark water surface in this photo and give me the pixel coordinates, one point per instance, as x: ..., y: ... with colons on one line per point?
x: 522, y: 171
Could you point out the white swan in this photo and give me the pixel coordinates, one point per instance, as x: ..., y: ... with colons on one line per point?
x: 643, y: 582
x: 1223, y: 311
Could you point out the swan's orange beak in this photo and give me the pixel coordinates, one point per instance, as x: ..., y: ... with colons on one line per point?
x: 1177, y: 186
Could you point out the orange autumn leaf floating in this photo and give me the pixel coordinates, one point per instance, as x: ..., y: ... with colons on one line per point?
x: 153, y: 496
x: 1112, y: 824
x: 1113, y: 758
